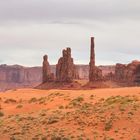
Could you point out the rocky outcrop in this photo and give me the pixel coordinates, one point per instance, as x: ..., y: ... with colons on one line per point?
x: 47, y: 76
x: 137, y: 74
x: 65, y: 68
x: 127, y: 73
x: 95, y: 74
x: 120, y: 72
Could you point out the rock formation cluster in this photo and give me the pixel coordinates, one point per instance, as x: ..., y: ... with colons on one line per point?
x: 66, y: 71
x: 95, y: 74
x: 65, y: 68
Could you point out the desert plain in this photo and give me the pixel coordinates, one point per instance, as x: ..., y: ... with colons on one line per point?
x: 99, y: 114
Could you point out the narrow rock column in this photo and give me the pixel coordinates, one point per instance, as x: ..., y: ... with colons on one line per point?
x: 92, y: 61
x: 95, y: 74
x: 46, y: 69
x: 92, y: 52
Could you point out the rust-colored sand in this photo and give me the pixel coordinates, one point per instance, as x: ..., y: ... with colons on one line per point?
x: 101, y: 114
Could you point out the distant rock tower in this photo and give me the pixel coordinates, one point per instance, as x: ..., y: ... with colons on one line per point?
x: 65, y: 69
x: 92, y: 56
x: 47, y: 76
x: 95, y: 74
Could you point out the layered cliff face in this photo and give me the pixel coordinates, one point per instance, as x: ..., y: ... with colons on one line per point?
x: 18, y: 76
x: 137, y: 74
x: 129, y: 73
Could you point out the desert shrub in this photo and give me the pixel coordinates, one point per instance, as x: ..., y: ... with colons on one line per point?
x: 42, y: 100
x: 77, y: 101
x: 108, y: 125
x: 85, y: 108
x: 116, y: 131
x: 1, y: 114
x: 52, y: 120
x: 19, y: 106
x: 122, y: 108
x: 44, y: 138
x: 61, y: 107
x: 130, y: 113
x: 10, y: 101
x: 91, y: 96
x: 12, y: 138
x: 32, y: 100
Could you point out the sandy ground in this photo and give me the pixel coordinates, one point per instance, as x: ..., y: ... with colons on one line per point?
x: 101, y: 114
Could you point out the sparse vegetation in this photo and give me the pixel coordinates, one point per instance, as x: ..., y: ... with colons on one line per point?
x: 10, y: 101
x: 33, y: 100
x: 53, y: 119
x: 69, y: 117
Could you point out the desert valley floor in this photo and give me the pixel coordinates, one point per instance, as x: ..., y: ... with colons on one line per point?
x: 100, y: 114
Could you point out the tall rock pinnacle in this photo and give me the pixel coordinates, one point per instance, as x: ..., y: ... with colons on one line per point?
x: 92, y: 53
x: 47, y: 76
x: 95, y: 74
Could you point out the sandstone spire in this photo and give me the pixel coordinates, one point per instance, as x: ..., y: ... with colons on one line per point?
x: 92, y: 53
x: 47, y: 76
x: 95, y: 74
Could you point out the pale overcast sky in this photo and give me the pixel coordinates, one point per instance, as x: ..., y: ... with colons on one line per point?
x: 31, y: 28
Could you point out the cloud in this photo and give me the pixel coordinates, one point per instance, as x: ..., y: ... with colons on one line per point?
x: 31, y: 28
x: 59, y: 11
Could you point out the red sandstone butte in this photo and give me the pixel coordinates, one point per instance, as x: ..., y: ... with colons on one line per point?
x: 65, y: 69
